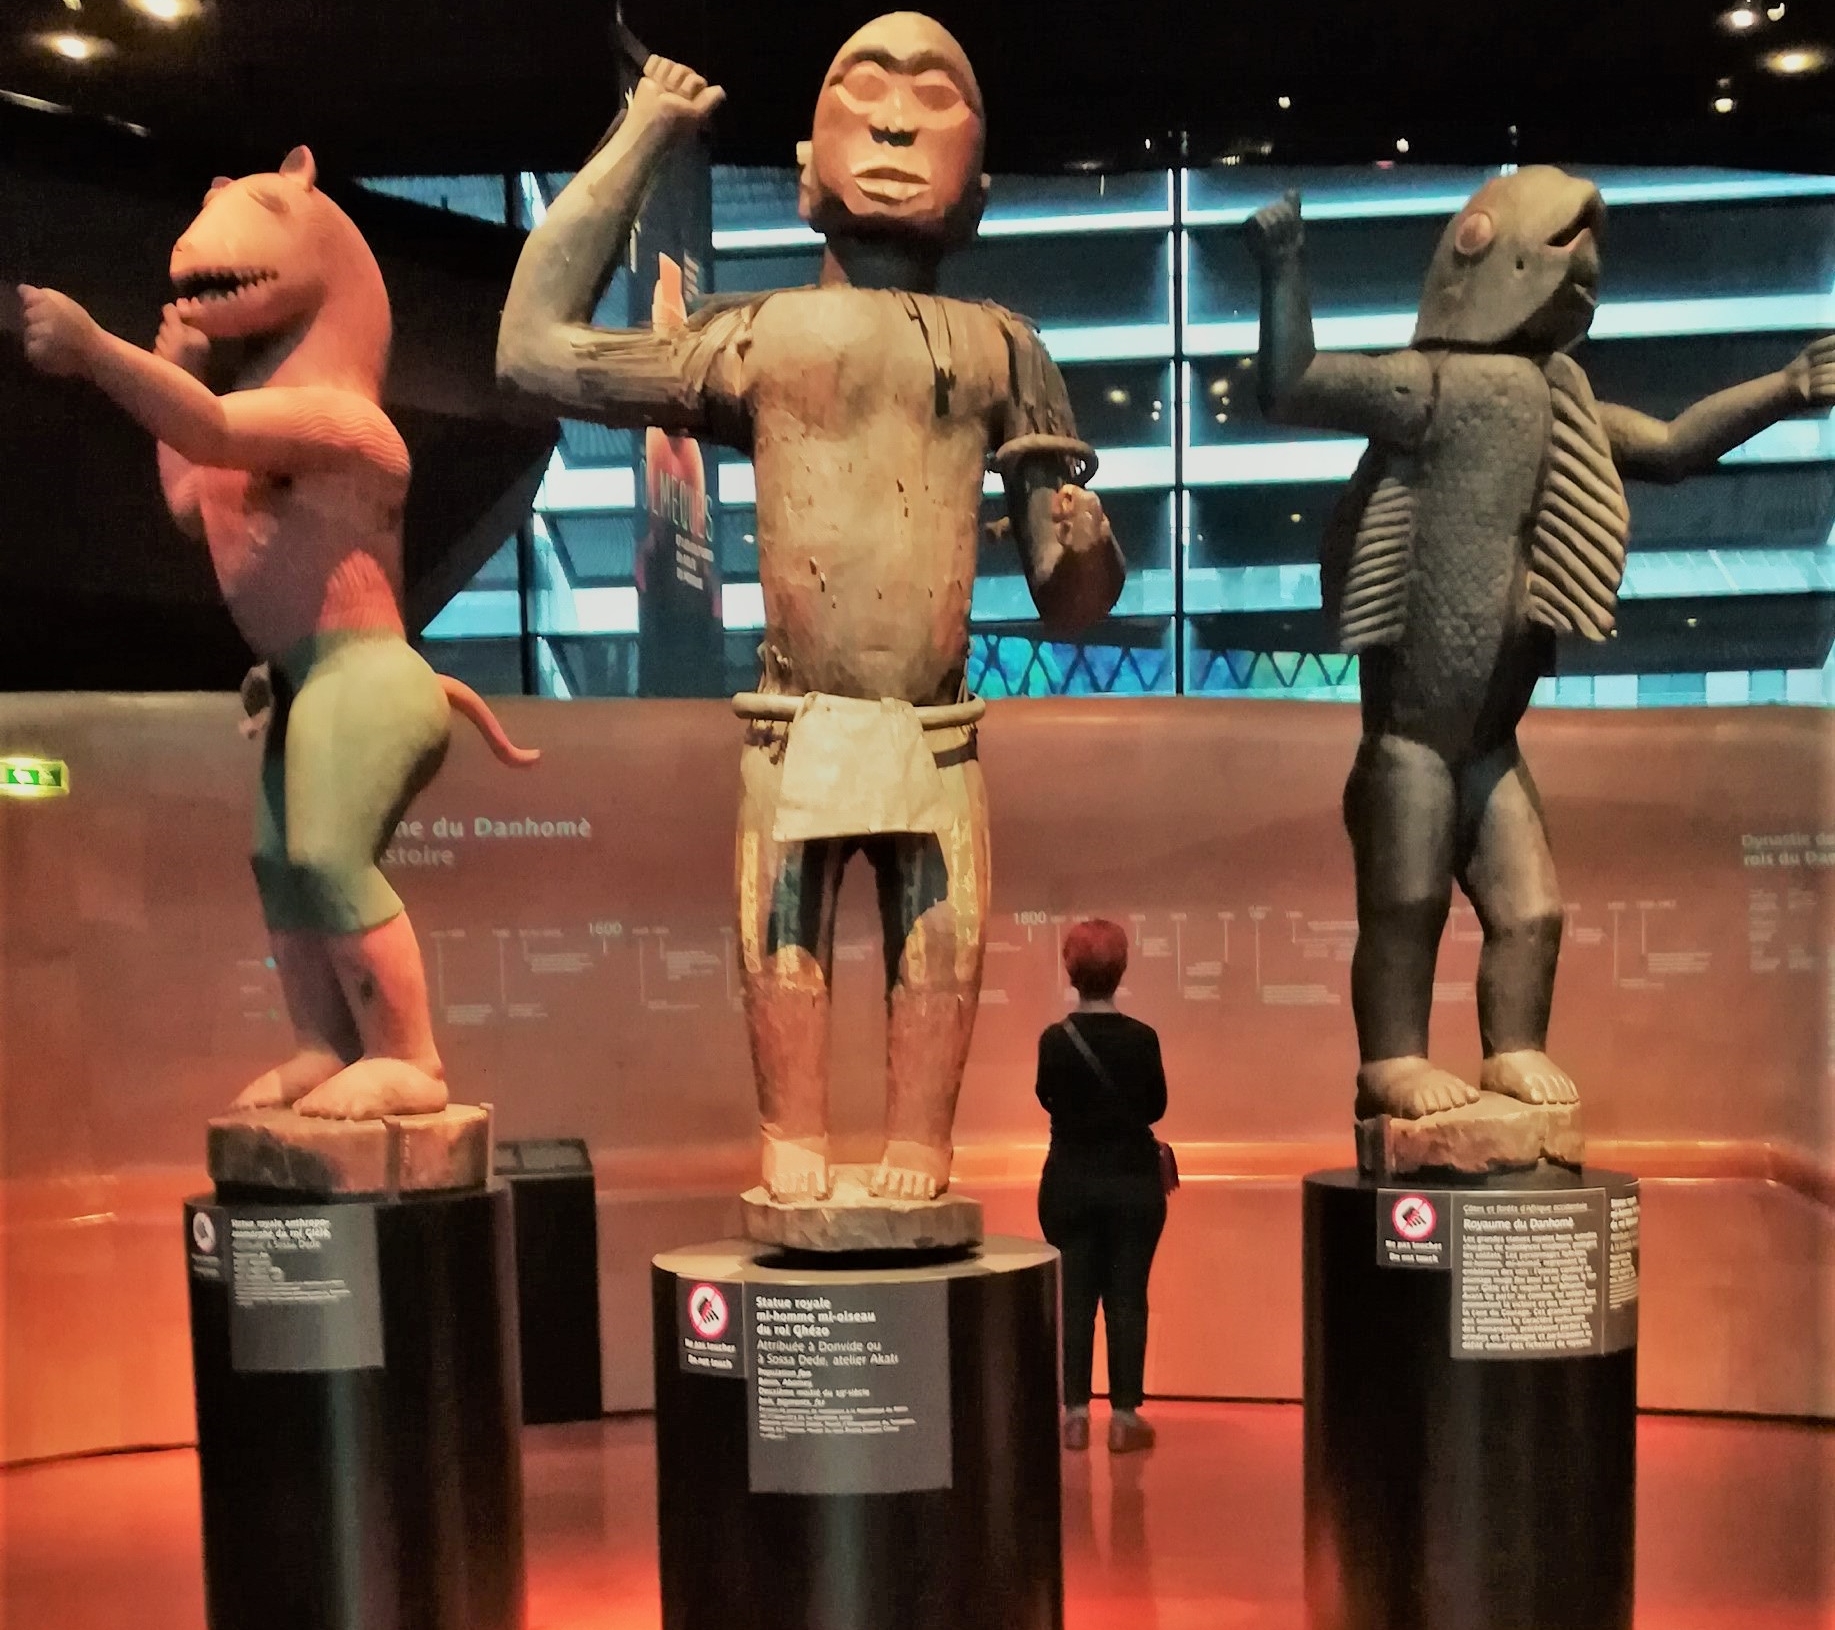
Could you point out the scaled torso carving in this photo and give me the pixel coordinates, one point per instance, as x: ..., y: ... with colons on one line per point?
x: 1488, y: 515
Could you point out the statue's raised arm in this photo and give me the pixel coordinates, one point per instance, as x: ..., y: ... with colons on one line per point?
x: 548, y: 348
x: 1670, y: 450
x: 1386, y: 396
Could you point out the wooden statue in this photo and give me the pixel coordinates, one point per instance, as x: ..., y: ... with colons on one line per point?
x: 1487, y: 516
x: 295, y: 481
x: 870, y: 406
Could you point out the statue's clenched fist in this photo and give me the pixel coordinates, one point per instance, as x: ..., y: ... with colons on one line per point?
x: 181, y: 344
x: 1813, y: 372
x: 1275, y: 232
x: 1079, y: 521
x: 670, y: 93
x: 60, y: 336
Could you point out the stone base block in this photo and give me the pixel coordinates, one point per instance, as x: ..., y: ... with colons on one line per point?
x: 302, y: 1154
x: 853, y: 1218
x: 1496, y: 1134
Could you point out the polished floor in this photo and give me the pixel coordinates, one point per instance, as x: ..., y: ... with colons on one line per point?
x: 1736, y: 1530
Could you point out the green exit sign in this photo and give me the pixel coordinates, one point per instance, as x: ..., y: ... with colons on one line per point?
x: 34, y: 778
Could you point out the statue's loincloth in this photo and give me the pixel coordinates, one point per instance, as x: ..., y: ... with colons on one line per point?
x: 856, y: 767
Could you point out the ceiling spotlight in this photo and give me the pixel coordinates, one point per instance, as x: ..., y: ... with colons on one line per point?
x: 168, y: 11
x: 1118, y: 397
x: 1220, y: 387
x: 1401, y: 145
x: 1295, y: 517
x: 1797, y: 59
x: 1723, y: 104
x: 1283, y: 102
x: 76, y: 47
x: 1775, y: 13
x: 1740, y: 19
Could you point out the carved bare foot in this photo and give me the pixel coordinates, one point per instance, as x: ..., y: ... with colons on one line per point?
x: 911, y: 1171
x: 308, y: 1068
x: 1409, y: 1088
x: 796, y: 1168
x: 374, y: 1087
x: 1531, y: 1076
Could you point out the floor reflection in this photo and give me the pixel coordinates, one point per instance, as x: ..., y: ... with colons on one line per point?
x: 1202, y: 1533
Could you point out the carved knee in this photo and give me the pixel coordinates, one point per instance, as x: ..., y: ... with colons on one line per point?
x: 935, y: 960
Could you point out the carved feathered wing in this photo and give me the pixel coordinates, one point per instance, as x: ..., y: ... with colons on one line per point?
x: 1577, y: 552
x: 1368, y: 552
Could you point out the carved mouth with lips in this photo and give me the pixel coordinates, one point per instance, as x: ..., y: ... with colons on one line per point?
x: 891, y: 183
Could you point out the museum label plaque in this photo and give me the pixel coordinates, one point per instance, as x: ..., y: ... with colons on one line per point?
x: 304, y: 1286
x: 849, y: 1388
x: 1537, y: 1273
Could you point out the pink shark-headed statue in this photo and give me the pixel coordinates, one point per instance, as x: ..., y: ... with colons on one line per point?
x: 296, y: 480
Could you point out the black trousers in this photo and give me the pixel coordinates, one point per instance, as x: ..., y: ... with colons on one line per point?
x: 1106, y: 1224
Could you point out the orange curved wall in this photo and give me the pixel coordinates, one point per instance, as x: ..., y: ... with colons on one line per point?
x: 583, y: 987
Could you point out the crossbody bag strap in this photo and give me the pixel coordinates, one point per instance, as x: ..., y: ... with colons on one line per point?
x: 1089, y: 1055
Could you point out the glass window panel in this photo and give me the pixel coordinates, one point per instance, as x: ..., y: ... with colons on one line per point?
x: 1652, y: 252
x: 1783, y: 506
x: 595, y: 665
x: 1223, y: 408
x: 596, y: 549
x: 753, y: 199
x: 593, y: 446
x: 1261, y: 524
x: 736, y: 542
x: 1236, y: 191
x: 1353, y: 267
x: 756, y: 271
x: 1663, y: 375
x: 1125, y: 657
x: 1019, y: 200
x: 492, y: 667
x: 499, y: 572
x: 1105, y: 278
x: 1121, y: 404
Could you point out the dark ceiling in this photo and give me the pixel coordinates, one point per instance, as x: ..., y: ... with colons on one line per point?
x: 399, y: 86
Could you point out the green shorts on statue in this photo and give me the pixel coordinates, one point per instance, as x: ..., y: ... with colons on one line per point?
x: 359, y: 726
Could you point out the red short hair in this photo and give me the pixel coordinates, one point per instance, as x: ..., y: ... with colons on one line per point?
x: 1095, y: 956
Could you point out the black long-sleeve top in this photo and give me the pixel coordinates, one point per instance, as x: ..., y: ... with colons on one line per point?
x: 1091, y: 1121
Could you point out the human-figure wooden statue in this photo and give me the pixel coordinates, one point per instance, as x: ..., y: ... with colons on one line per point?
x: 870, y: 406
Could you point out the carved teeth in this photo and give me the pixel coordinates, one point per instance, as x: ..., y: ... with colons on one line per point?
x: 219, y: 283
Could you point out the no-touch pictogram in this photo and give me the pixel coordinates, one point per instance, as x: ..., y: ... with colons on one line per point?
x: 1414, y: 1217
x: 707, y: 1312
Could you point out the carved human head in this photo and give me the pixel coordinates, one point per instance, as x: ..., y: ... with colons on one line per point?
x: 897, y: 144
x: 1518, y: 267
x: 271, y: 253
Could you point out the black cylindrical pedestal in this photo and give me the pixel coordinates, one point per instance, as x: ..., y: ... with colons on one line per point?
x: 841, y: 1447
x: 1458, y: 1476
x: 358, y: 1425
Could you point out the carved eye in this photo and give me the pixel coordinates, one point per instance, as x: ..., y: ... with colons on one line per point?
x: 866, y: 82
x: 271, y: 198
x: 937, y: 91
x: 1475, y: 233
